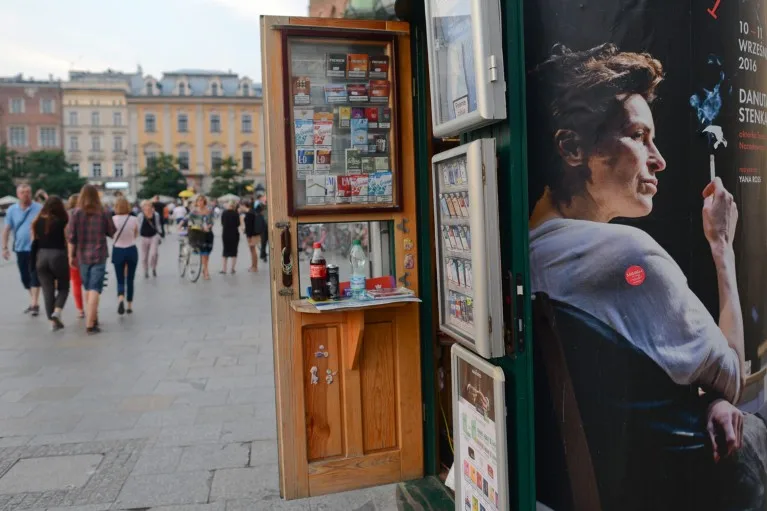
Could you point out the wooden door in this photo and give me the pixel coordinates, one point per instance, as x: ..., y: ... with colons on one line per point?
x: 362, y: 427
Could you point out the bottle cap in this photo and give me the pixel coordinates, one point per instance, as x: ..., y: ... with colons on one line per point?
x: 317, y: 244
x: 357, y: 242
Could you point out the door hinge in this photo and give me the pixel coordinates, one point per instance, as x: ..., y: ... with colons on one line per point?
x: 520, y: 312
x: 493, y: 68
x: 484, y: 176
x: 490, y: 324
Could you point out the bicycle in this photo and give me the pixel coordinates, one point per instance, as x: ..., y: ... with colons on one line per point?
x: 189, y: 259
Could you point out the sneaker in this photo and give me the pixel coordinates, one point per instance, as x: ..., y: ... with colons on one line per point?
x: 28, y: 310
x: 121, y: 309
x: 93, y: 330
x: 146, y: 274
x: 57, y: 324
x: 154, y: 273
x: 35, y: 311
x: 129, y: 311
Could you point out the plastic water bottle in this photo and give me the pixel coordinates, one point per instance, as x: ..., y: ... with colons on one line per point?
x: 359, y: 272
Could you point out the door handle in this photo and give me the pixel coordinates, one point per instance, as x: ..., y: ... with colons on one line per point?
x: 286, y: 258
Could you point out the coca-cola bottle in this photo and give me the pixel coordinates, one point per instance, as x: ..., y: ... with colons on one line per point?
x: 318, y: 271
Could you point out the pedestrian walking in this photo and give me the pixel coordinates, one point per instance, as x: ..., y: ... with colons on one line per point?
x: 200, y: 223
x: 18, y: 220
x: 262, y: 229
x: 230, y: 235
x: 253, y: 237
x: 152, y: 232
x: 125, y: 254
x: 179, y: 213
x: 87, y: 235
x: 75, y: 281
x: 49, y: 252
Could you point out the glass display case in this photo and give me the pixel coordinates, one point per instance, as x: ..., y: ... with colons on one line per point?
x: 465, y: 64
x: 468, y: 246
x: 341, y: 137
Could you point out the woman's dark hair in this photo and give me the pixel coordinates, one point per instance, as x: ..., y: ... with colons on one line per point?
x: 582, y: 91
x: 53, y: 209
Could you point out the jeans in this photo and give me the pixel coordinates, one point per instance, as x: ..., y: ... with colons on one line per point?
x: 53, y: 272
x: 93, y: 276
x: 149, y: 252
x: 125, y: 259
x: 28, y: 275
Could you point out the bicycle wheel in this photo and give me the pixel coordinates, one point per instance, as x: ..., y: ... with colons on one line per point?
x: 183, y: 259
x: 194, y: 268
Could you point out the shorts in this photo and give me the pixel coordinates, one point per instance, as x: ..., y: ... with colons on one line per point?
x: 93, y: 276
x: 179, y: 220
x: 28, y: 274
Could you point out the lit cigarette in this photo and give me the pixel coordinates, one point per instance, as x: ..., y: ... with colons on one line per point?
x: 712, y: 166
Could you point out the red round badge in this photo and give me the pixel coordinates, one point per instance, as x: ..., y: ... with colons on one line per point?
x: 635, y: 275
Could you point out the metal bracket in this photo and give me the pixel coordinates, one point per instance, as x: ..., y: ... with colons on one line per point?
x: 286, y: 291
x: 492, y: 66
x: 402, y: 226
x: 403, y: 279
x: 282, y: 225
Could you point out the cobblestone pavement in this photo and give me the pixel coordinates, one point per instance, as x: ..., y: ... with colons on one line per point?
x: 171, y: 408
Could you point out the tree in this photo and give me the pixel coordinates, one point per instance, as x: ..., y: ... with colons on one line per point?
x: 6, y: 171
x: 227, y: 178
x: 162, y: 177
x: 50, y: 171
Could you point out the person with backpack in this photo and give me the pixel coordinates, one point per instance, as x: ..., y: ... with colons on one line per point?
x: 152, y: 232
x: 18, y: 220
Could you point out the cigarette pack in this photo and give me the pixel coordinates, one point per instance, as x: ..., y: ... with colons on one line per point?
x: 343, y: 189
x: 368, y: 164
x: 335, y: 93
x: 450, y: 205
x: 371, y: 143
x: 353, y: 161
x: 379, y: 67
x: 453, y: 241
x: 468, y: 236
x: 381, y: 163
x: 379, y: 91
x: 459, y: 270
x: 302, y: 90
x: 357, y: 65
x: 304, y: 131
x: 359, y: 184
x: 446, y: 237
x: 358, y: 113
x: 330, y: 185
x: 372, y: 115
x: 323, y: 128
x: 322, y: 159
x: 358, y: 92
x: 380, y: 187
x: 359, y: 129
x: 469, y: 275
x: 344, y: 116
x: 463, y: 177
x: 316, y: 190
x: 304, y: 162
x: 336, y: 65
x: 456, y: 205
x: 463, y: 231
x: 381, y: 144
x: 384, y: 118
x: 443, y: 206
x: 463, y: 204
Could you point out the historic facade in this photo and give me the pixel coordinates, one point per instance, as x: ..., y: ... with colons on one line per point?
x: 30, y: 114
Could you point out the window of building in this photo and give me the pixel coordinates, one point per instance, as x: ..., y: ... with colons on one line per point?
x: 119, y: 169
x: 149, y: 89
x: 73, y: 118
x: 151, y: 157
x: 183, y: 160
x: 95, y: 118
x: 247, y: 123
x: 18, y: 136
x: 149, y: 123
x: 117, y: 118
x: 247, y: 160
x: 245, y: 89
x: 48, y: 137
x: 215, y: 123
x: 75, y: 168
x: 96, y: 169
x: 183, y: 123
x: 118, y: 143
x: 17, y: 105
x: 182, y: 89
x: 74, y: 143
x: 96, y: 143
x: 46, y: 106
x: 215, y: 159
x: 214, y: 89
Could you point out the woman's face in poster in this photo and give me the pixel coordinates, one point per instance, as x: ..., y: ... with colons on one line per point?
x: 624, y: 165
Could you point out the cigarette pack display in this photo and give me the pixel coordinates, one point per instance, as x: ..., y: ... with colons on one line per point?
x: 336, y: 65
x: 379, y: 91
x: 359, y: 129
x: 323, y: 128
x: 316, y: 190
x: 456, y: 206
x: 358, y: 92
x: 344, y: 116
x: 302, y: 87
x: 379, y: 67
x: 322, y: 159
x: 463, y: 176
x: 357, y: 65
x: 446, y: 235
x: 304, y: 162
x: 353, y: 161
x: 463, y: 202
x: 443, y: 206
x: 464, y: 232
x: 450, y: 205
x: 381, y: 145
x: 384, y: 118
x: 304, y: 131
x: 380, y: 186
x: 368, y: 165
x: 453, y: 242
x: 343, y: 189
x: 371, y: 113
x: 335, y: 93
x: 359, y: 184
x: 381, y: 163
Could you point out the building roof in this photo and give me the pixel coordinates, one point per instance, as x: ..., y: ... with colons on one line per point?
x: 20, y: 80
x: 199, y: 81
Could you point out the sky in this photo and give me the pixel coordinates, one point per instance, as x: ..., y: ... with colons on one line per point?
x: 51, y: 37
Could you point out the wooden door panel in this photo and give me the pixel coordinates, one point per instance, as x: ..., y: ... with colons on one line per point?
x: 324, y: 425
x: 378, y: 385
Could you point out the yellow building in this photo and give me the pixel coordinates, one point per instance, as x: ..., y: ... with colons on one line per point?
x: 200, y: 117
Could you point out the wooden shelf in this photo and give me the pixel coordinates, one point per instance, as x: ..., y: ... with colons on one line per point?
x: 456, y: 254
x: 306, y: 307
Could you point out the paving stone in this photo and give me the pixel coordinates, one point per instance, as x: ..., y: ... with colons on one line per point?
x: 244, y: 483
x: 107, y: 421
x: 215, y: 506
x: 249, y: 430
x: 263, y: 452
x: 126, y: 434
x: 181, y: 386
x: 177, y: 416
x: 158, y: 460
x: 64, y: 438
x: 51, y: 393
x: 164, y: 489
x: 268, y: 504
x: 146, y: 403
x: 228, y: 413
x: 261, y: 396
x: 214, y: 456
x: 190, y: 435
x: 93, y: 507
x: 49, y: 473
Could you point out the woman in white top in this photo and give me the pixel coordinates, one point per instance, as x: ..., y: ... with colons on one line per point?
x: 125, y: 254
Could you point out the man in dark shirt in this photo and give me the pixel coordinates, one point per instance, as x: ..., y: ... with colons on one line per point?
x: 159, y: 207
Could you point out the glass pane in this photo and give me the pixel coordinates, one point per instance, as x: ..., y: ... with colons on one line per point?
x: 343, y: 126
x: 377, y: 240
x: 454, y: 58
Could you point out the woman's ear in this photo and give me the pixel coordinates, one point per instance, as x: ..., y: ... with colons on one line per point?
x: 569, y: 146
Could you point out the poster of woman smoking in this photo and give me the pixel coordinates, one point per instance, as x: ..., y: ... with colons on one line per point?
x: 647, y: 138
